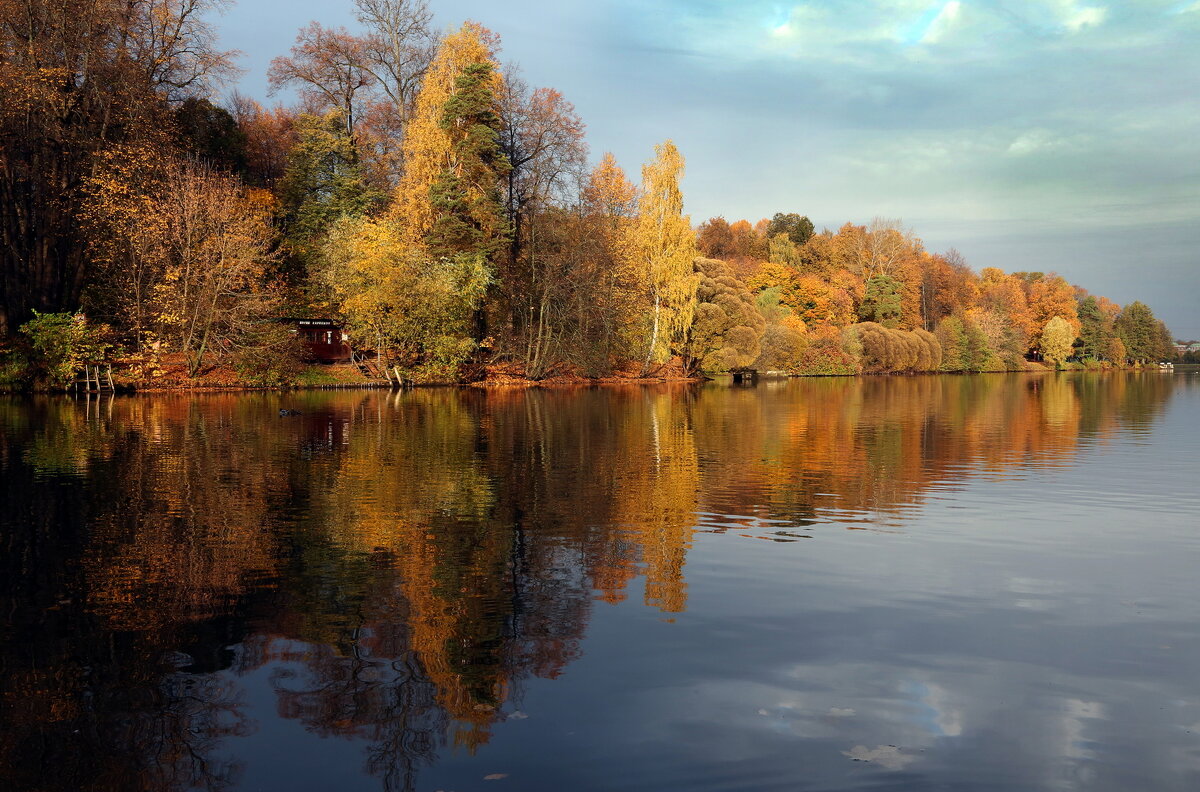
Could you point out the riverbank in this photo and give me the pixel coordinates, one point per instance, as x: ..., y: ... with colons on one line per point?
x: 170, y: 376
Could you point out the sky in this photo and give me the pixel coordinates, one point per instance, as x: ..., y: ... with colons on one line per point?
x: 1043, y: 135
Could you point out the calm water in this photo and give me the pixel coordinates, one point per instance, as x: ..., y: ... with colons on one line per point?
x: 967, y: 583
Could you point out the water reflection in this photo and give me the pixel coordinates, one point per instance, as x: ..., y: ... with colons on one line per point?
x: 398, y: 567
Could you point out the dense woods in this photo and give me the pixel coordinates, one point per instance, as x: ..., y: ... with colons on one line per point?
x: 446, y: 213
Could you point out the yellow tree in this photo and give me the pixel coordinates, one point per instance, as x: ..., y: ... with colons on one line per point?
x: 428, y: 146
x: 660, y: 247
x: 1057, y: 338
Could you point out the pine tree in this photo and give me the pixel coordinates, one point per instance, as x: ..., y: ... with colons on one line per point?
x: 468, y: 214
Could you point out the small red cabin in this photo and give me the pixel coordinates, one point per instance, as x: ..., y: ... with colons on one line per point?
x: 323, y: 338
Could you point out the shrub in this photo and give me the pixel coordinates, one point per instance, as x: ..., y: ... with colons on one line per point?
x: 269, y: 356
x: 824, y: 356
x: 61, y: 343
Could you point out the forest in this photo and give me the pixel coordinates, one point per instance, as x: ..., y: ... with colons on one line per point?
x: 447, y: 214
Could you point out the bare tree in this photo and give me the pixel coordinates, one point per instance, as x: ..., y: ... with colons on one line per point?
x: 328, y: 67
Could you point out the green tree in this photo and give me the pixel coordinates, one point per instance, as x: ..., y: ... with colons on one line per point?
x: 1095, y: 331
x: 62, y: 343
x: 392, y: 296
x: 797, y: 228
x: 1138, y: 330
x: 882, y: 301
x: 956, y: 353
x: 468, y: 211
x: 211, y: 133
x: 323, y: 183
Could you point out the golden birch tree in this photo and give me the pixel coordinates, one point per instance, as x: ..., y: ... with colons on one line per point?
x: 428, y: 145
x: 660, y: 247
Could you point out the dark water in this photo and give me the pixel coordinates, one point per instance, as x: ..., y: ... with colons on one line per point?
x: 967, y: 583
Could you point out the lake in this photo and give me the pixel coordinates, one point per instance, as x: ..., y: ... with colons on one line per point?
x: 883, y: 583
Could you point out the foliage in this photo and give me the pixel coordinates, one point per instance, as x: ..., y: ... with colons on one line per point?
x: 392, y: 296
x: 727, y: 327
x: 77, y: 79
x: 269, y: 355
x: 61, y: 343
x: 210, y: 133
x: 797, y: 228
x: 1057, y: 340
x: 427, y: 143
x: 887, y: 350
x: 323, y: 182
x: 1137, y: 329
x: 465, y: 197
x: 881, y: 303
x: 825, y: 355
x: 659, y: 248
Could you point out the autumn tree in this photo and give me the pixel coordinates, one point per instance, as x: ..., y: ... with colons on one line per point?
x: 268, y: 139
x: 660, y: 247
x: 714, y: 239
x: 543, y: 139
x: 889, y: 350
x: 327, y: 67
x: 727, y: 327
x: 428, y: 146
x: 126, y: 61
x: 394, y: 297
x: 1056, y: 341
x: 785, y: 336
x: 1049, y: 296
x: 947, y: 286
x: 188, y: 251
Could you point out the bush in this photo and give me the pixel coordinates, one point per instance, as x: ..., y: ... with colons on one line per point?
x: 60, y: 344
x: 16, y: 373
x: 782, y: 348
x: 885, y: 350
x: 825, y: 357
x: 269, y: 356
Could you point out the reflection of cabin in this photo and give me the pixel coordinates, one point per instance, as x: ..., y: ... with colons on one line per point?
x: 323, y: 339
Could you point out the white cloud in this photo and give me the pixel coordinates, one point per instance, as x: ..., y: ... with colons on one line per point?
x: 944, y: 23
x: 1089, y: 16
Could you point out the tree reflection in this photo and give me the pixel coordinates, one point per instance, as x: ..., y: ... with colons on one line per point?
x: 403, y: 564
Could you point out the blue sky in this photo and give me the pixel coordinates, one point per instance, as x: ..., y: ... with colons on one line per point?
x: 1053, y: 135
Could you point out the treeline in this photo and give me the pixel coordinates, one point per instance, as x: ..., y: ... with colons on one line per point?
x: 444, y: 211
x: 870, y: 298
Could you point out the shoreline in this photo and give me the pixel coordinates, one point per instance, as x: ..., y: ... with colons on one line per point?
x: 559, y: 382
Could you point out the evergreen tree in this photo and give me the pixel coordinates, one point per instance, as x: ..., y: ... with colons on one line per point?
x: 323, y: 183
x: 1094, y: 330
x: 468, y: 213
x: 882, y: 301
